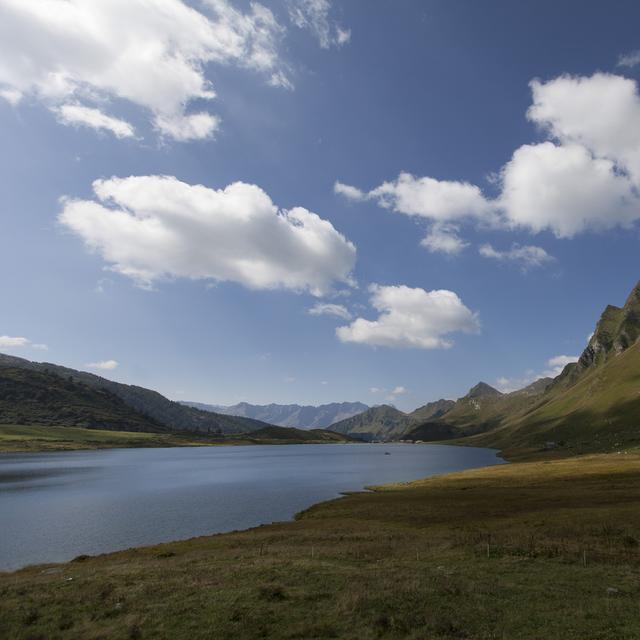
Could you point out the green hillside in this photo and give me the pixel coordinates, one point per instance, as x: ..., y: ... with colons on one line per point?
x: 482, y: 409
x: 431, y: 410
x: 594, y: 405
x: 170, y: 415
x: 599, y: 412
x: 378, y: 423
x: 39, y: 398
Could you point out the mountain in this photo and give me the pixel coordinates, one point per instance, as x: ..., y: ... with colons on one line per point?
x: 594, y: 405
x: 617, y: 329
x: 169, y: 415
x: 29, y: 397
x: 292, y: 435
x: 481, y: 409
x: 378, y: 423
x: 432, y: 410
x: 289, y: 415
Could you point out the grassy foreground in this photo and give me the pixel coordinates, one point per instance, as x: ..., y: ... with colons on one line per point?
x: 45, y: 438
x: 528, y: 550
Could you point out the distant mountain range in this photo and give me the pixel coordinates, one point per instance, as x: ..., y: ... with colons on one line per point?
x: 593, y: 405
x: 41, y: 393
x: 289, y: 415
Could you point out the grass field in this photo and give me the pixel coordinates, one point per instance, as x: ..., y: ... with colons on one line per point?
x: 16, y: 439
x: 529, y: 550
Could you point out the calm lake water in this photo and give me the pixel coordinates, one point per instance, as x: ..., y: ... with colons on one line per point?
x: 55, y: 506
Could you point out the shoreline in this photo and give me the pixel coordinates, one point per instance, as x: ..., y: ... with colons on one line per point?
x: 367, y: 488
x: 511, y: 550
x: 42, y: 439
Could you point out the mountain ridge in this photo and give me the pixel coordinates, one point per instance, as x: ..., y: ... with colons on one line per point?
x: 288, y: 415
x: 166, y: 413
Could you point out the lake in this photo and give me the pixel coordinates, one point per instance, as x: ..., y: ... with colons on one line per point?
x: 56, y: 506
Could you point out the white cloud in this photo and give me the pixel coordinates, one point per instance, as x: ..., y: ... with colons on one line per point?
x: 75, y: 114
x: 586, y: 177
x: 411, y: 318
x: 103, y: 365
x: 600, y: 113
x: 289, y: 379
x: 527, y: 256
x: 12, y: 96
x: 329, y: 309
x: 395, y: 392
x: 18, y: 342
x: 313, y: 15
x: 13, y: 341
x: 631, y: 59
x: 443, y: 238
x: 349, y: 192
x: 566, y: 190
x: 437, y: 200
x: 151, y: 228
x: 376, y: 390
x: 152, y: 53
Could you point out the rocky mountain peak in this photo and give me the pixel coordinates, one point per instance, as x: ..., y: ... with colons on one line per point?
x: 481, y: 390
x: 617, y: 329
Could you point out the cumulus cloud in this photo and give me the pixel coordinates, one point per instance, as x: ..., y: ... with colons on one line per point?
x: 75, y: 114
x: 565, y: 189
x: 152, y: 53
x: 103, y: 365
x: 584, y: 177
x: 600, y: 113
x: 330, y: 309
x: 437, y: 200
x: 444, y: 238
x: 411, y: 317
x: 528, y: 256
x: 314, y: 15
x: 151, y: 228
x: 13, y: 342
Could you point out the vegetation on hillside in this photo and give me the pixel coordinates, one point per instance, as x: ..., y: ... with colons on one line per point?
x: 41, y: 398
x: 158, y: 410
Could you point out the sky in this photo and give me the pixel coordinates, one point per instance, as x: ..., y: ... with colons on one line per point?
x: 305, y: 201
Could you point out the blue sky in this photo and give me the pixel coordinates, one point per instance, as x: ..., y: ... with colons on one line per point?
x: 514, y: 225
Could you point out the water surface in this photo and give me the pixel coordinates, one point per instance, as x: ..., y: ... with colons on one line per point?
x: 55, y: 506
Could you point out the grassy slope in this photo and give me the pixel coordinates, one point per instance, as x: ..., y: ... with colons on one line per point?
x: 19, y: 438
x: 600, y: 412
x: 169, y: 415
x: 377, y: 423
x: 535, y: 550
x: 35, y: 397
